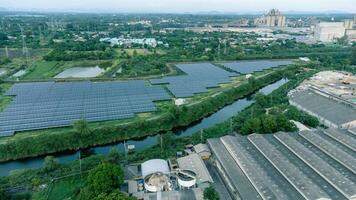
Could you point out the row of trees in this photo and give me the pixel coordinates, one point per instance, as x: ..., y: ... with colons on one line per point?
x: 272, y: 113
x: 59, y: 55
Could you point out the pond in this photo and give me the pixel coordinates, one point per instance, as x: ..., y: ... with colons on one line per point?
x: 81, y: 72
x: 19, y: 73
x: 2, y: 72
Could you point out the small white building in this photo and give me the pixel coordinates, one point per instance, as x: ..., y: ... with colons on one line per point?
x: 179, y: 102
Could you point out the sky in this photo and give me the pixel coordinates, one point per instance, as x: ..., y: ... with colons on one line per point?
x: 181, y: 6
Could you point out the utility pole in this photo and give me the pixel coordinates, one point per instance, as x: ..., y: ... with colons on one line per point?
x: 219, y: 50
x: 24, y: 47
x: 225, y: 46
x: 161, y: 143
x: 6, y: 52
x: 231, y: 125
x: 201, y: 135
x: 80, y: 163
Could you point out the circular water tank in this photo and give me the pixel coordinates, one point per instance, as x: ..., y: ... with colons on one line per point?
x: 157, y: 182
x: 186, y: 178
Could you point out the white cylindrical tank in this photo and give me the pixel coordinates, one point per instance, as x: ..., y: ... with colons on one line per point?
x: 186, y: 178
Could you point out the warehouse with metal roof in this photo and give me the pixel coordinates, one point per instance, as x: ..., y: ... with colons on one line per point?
x: 194, y: 162
x: 331, y: 111
x: 316, y: 164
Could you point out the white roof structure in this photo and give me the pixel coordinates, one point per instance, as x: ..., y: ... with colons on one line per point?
x: 154, y: 166
x: 194, y: 163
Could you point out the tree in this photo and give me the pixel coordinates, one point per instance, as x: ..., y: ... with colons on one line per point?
x: 81, y: 127
x: 4, y: 195
x: 210, y: 194
x: 50, y: 164
x: 353, y: 55
x: 105, y: 178
x: 114, y: 156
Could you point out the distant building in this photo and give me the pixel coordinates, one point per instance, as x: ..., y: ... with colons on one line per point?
x: 349, y: 23
x: 351, y: 35
x: 274, y: 18
x: 329, y: 31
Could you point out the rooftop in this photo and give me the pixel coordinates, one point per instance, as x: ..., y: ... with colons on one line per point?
x: 194, y: 163
x: 308, y: 165
x: 330, y: 109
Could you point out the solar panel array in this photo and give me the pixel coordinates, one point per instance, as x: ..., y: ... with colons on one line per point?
x: 200, y: 76
x: 308, y: 165
x: 248, y: 67
x: 56, y: 104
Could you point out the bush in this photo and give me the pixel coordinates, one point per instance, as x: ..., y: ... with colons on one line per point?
x: 105, y: 178
x: 210, y: 194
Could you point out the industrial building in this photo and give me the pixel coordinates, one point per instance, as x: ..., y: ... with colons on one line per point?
x: 162, y: 179
x: 194, y: 162
x: 329, y: 31
x: 330, y: 109
x: 319, y: 164
x: 274, y: 18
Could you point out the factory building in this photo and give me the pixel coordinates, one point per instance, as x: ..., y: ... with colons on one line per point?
x: 274, y: 18
x: 194, y: 162
x: 166, y: 179
x: 330, y: 109
x: 329, y: 31
x: 319, y: 164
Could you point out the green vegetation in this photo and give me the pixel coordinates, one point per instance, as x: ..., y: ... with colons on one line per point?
x: 139, y: 65
x: 104, y: 179
x: 353, y: 58
x: 59, y: 55
x: 4, y: 101
x: 211, y: 194
x: 50, y: 164
x: 17, y: 147
x: 271, y: 113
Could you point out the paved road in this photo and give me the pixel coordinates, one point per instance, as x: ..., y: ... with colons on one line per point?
x: 218, y: 182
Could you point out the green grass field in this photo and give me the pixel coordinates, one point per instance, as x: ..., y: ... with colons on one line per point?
x: 42, y: 70
x: 60, y: 190
x: 143, y: 52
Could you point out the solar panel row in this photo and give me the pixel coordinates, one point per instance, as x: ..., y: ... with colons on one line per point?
x: 55, y: 104
x: 248, y: 67
x: 200, y: 76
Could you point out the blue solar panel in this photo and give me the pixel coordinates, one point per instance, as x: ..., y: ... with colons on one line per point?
x: 198, y: 78
x: 247, y: 67
x: 56, y: 104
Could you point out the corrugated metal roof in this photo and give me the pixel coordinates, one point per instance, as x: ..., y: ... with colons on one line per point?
x: 308, y: 165
x: 194, y: 163
x: 330, y: 109
x: 154, y: 166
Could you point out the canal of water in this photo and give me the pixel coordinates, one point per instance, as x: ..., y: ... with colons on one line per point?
x: 217, y: 117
